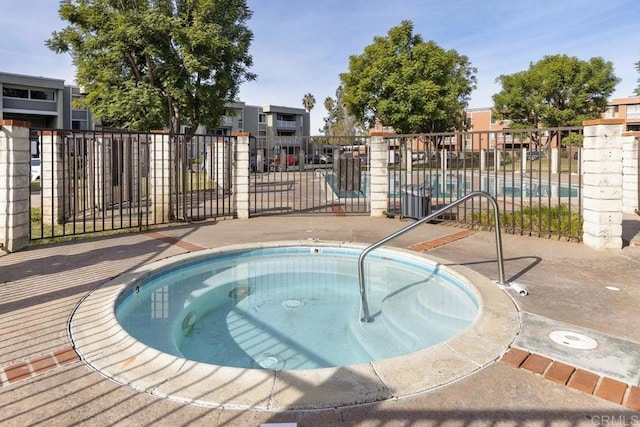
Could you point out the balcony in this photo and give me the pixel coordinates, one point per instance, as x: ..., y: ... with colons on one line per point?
x: 286, y: 124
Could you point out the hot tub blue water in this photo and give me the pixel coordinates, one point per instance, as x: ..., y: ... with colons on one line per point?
x: 296, y: 307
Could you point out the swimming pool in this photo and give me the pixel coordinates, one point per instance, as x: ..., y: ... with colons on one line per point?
x: 296, y: 307
x: 104, y: 345
x: 459, y: 184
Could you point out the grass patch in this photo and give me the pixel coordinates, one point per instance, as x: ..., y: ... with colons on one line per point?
x: 47, y: 233
x: 559, y: 220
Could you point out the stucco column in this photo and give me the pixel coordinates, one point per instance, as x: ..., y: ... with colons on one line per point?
x: 52, y: 178
x: 15, y: 177
x: 602, y: 183
x: 102, y: 157
x: 379, y: 174
x: 630, y: 166
x: 240, y: 173
x: 218, y: 161
x: 161, y: 158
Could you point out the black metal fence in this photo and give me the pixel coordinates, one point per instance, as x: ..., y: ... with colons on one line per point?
x: 97, y: 181
x: 534, y: 174
x: 310, y: 175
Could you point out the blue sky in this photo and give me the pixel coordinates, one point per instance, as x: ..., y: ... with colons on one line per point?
x: 303, y: 46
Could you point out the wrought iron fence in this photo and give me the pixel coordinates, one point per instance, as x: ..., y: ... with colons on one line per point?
x: 308, y: 175
x: 534, y: 174
x: 93, y: 181
x: 96, y: 181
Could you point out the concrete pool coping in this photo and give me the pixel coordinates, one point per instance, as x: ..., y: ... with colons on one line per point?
x: 107, y: 348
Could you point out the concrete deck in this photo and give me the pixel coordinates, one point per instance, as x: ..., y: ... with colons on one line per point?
x: 571, y: 288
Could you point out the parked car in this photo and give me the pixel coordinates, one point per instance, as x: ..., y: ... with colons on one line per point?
x: 535, y: 155
x: 291, y: 160
x: 35, y: 169
x: 326, y: 158
x: 312, y: 159
x: 450, y: 155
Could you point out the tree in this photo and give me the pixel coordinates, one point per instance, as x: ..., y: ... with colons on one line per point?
x: 407, y: 83
x: 339, y: 122
x: 308, y: 102
x: 556, y: 91
x: 150, y: 64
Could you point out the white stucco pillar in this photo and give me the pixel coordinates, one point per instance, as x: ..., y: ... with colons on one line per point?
x: 602, y: 183
x: 52, y: 178
x: 630, y: 166
x: 240, y: 172
x: 379, y: 178
x: 161, y: 158
x: 15, y: 157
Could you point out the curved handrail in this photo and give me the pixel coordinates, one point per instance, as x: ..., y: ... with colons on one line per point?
x: 363, y: 293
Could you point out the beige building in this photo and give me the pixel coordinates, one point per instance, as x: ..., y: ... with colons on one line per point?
x: 627, y: 109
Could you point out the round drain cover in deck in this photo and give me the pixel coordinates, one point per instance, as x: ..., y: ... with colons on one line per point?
x: 573, y: 340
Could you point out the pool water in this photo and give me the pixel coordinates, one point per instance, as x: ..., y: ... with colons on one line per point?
x: 296, y: 308
x: 457, y: 185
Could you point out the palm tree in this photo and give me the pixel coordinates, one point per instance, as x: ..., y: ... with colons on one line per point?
x: 308, y: 102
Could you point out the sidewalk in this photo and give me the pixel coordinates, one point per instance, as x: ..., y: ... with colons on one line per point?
x: 571, y: 288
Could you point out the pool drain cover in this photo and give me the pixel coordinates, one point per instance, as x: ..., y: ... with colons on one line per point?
x: 270, y: 361
x: 573, y: 340
x: 292, y: 303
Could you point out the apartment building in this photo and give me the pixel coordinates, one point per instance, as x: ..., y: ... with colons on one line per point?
x: 627, y: 109
x: 44, y: 102
x: 266, y: 121
x: 37, y: 100
x: 48, y: 103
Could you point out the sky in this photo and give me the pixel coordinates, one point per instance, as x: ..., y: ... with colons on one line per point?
x: 302, y: 47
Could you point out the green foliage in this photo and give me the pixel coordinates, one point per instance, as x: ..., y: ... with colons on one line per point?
x: 409, y: 84
x: 338, y: 121
x: 153, y: 64
x: 556, y: 91
x: 559, y: 220
x: 573, y: 139
x: 308, y: 102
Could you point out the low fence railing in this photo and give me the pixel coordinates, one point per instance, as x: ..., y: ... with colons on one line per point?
x: 92, y: 181
x: 98, y: 181
x: 534, y: 175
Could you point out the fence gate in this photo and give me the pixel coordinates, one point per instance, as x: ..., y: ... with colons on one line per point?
x: 202, y: 176
x: 308, y: 175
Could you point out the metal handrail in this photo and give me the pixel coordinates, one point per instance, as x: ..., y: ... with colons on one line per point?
x: 363, y: 293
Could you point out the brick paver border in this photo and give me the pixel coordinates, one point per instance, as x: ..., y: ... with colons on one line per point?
x: 26, y: 369
x: 441, y: 241
x: 610, y: 389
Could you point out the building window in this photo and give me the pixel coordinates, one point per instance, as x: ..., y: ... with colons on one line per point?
x: 633, y: 112
x: 262, y: 118
x: 44, y: 95
x: 611, y: 112
x: 12, y: 92
x: 38, y: 94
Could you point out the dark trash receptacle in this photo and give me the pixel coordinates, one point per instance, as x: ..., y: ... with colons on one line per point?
x: 415, y: 200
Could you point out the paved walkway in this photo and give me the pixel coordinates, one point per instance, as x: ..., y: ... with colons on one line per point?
x: 571, y: 288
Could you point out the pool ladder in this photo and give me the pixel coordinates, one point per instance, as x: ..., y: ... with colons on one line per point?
x: 501, y: 282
